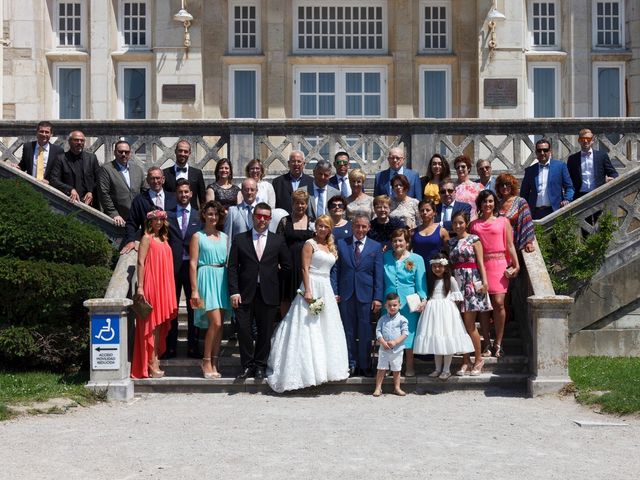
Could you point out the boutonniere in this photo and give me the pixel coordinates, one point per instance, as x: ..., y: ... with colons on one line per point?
x: 409, y: 265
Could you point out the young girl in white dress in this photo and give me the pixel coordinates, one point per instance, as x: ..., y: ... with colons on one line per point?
x: 440, y: 329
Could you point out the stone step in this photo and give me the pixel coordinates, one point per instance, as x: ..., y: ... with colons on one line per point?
x: 420, y: 385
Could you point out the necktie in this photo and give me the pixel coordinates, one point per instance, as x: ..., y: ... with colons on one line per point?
x: 260, y: 246
x: 344, y: 189
x: 40, y: 164
x: 249, y: 216
x: 357, y: 251
x: 185, y: 222
x: 320, y: 206
x: 159, y: 202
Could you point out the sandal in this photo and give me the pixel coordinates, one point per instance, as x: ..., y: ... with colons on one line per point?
x: 486, y: 351
x: 377, y: 392
x: 499, y: 352
x: 208, y: 375
x: 444, y: 376
x: 464, y: 369
x: 435, y: 374
x: 155, y: 372
x: 399, y: 392
x: 477, y: 369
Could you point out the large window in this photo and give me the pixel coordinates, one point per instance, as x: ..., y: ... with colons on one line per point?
x: 70, y: 23
x: 608, y: 89
x: 544, y: 90
x: 244, y: 91
x: 244, y: 26
x: 134, y: 90
x: 331, y: 26
x: 340, y: 92
x: 608, y: 24
x: 544, y: 24
x: 68, y: 88
x: 435, y: 26
x: 435, y: 91
x: 133, y: 24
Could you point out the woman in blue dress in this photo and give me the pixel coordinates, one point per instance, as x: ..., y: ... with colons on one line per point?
x: 208, y: 274
x: 405, y: 274
x: 429, y: 238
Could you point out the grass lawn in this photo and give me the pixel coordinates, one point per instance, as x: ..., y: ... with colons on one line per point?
x: 612, y: 383
x: 28, y: 387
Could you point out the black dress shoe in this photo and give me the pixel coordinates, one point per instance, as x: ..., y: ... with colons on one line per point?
x: 353, y: 371
x: 260, y: 373
x: 246, y: 373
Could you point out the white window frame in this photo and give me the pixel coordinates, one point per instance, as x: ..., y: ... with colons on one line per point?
x: 258, y: 34
x: 557, y: 30
x: 56, y: 87
x: 122, y: 43
x: 557, y: 86
x: 340, y: 91
x: 594, y: 26
x: 448, y: 94
x: 337, y: 3
x: 121, y: 68
x: 232, y: 84
x: 435, y: 3
x: 83, y: 25
x: 594, y: 75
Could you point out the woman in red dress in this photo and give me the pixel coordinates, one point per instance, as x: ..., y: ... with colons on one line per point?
x: 156, y: 284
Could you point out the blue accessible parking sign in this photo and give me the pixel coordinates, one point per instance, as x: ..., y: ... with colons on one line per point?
x: 105, y: 342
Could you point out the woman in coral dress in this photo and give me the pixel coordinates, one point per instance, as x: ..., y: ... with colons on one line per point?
x: 156, y: 284
x: 466, y: 190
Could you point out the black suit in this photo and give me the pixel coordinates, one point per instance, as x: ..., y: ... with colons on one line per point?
x: 140, y: 206
x: 602, y: 168
x: 26, y: 162
x: 258, y: 300
x: 196, y: 180
x: 457, y: 207
x: 180, y: 249
x: 282, y: 187
x: 75, y: 172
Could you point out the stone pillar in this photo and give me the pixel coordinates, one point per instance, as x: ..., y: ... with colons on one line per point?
x: 109, y: 367
x: 633, y: 65
x: 549, y: 362
x: 241, y: 145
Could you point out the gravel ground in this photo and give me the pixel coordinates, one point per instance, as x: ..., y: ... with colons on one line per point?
x: 457, y: 435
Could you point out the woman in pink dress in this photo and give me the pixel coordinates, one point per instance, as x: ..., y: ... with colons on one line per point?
x: 156, y: 284
x: 466, y: 190
x: 500, y: 263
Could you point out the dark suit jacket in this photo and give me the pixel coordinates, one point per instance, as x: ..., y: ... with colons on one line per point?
x: 244, y: 267
x: 196, y: 180
x: 559, y: 186
x: 328, y: 193
x: 26, y: 162
x: 179, y: 244
x: 282, y: 187
x: 115, y: 195
x: 80, y: 173
x: 457, y: 207
x: 602, y: 167
x: 381, y: 184
x: 140, y: 206
x: 364, y: 280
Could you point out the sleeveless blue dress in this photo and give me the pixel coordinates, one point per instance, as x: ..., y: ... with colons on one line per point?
x: 212, y: 277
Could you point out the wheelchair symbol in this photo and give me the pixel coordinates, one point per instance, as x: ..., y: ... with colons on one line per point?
x: 107, y: 332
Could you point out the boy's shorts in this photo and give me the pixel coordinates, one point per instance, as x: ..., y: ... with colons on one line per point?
x: 387, y: 360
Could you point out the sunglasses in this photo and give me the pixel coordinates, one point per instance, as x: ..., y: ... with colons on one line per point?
x: 336, y: 205
x: 484, y: 168
x: 342, y: 162
x: 542, y: 150
x: 123, y: 152
x: 447, y: 190
x: 585, y: 139
x: 260, y: 216
x: 504, y: 185
x: 461, y: 167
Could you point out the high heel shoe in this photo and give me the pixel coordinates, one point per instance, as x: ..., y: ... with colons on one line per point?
x: 155, y: 372
x: 208, y: 375
x: 499, y: 352
x: 486, y: 351
x: 214, y: 364
x: 477, y: 369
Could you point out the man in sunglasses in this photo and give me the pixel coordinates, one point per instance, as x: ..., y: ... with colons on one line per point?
x: 546, y: 186
x: 448, y: 206
x: 485, y: 178
x: 340, y: 180
x: 589, y: 168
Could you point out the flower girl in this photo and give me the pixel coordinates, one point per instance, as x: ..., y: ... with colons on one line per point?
x: 440, y: 329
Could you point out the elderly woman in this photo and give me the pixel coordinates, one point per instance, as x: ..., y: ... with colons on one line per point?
x: 383, y: 226
x: 223, y: 190
x: 156, y: 286
x: 405, y: 274
x: 358, y: 203
x: 466, y: 190
x: 266, y: 194
x: 437, y: 170
x: 500, y: 264
x: 337, y: 206
x: 516, y: 210
x: 403, y: 207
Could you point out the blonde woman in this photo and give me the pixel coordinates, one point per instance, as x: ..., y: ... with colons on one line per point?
x: 358, y: 203
x: 309, y: 346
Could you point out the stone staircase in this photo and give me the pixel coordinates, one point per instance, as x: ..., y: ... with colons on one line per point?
x: 183, y: 375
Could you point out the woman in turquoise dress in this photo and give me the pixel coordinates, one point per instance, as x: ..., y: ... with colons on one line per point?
x: 208, y: 274
x: 404, y: 274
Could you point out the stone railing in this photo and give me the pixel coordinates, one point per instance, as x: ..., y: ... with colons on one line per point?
x: 508, y: 144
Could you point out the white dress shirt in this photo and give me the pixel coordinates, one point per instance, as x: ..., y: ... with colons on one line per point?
x: 157, y: 198
x: 586, y: 166
x: 36, y: 151
x: 543, y: 178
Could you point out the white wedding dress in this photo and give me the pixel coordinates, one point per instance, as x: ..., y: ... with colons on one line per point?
x: 309, y: 349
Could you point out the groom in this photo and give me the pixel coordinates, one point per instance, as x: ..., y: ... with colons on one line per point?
x: 253, y: 285
x: 357, y: 280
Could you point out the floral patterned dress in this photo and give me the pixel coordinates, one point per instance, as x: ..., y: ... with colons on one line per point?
x: 467, y: 192
x: 406, y: 211
x: 466, y: 273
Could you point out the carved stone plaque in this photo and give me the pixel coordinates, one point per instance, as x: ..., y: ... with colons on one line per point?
x: 179, y: 93
x: 500, y: 92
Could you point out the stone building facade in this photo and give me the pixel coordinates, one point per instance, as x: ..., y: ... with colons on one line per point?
x: 120, y: 59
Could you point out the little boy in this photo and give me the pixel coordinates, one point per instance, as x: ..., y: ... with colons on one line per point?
x: 391, y: 331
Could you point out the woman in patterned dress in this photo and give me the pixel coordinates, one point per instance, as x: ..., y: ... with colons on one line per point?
x: 223, y: 190
x: 403, y: 207
x: 466, y: 190
x: 358, y: 203
x: 516, y: 209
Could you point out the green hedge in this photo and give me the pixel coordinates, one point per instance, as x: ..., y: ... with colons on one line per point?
x: 30, y: 231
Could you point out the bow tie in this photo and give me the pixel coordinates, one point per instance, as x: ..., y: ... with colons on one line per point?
x: 181, y: 169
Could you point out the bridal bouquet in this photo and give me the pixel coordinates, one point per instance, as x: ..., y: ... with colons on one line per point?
x: 316, y: 306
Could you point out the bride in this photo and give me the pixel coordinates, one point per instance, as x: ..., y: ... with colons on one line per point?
x: 309, y: 349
